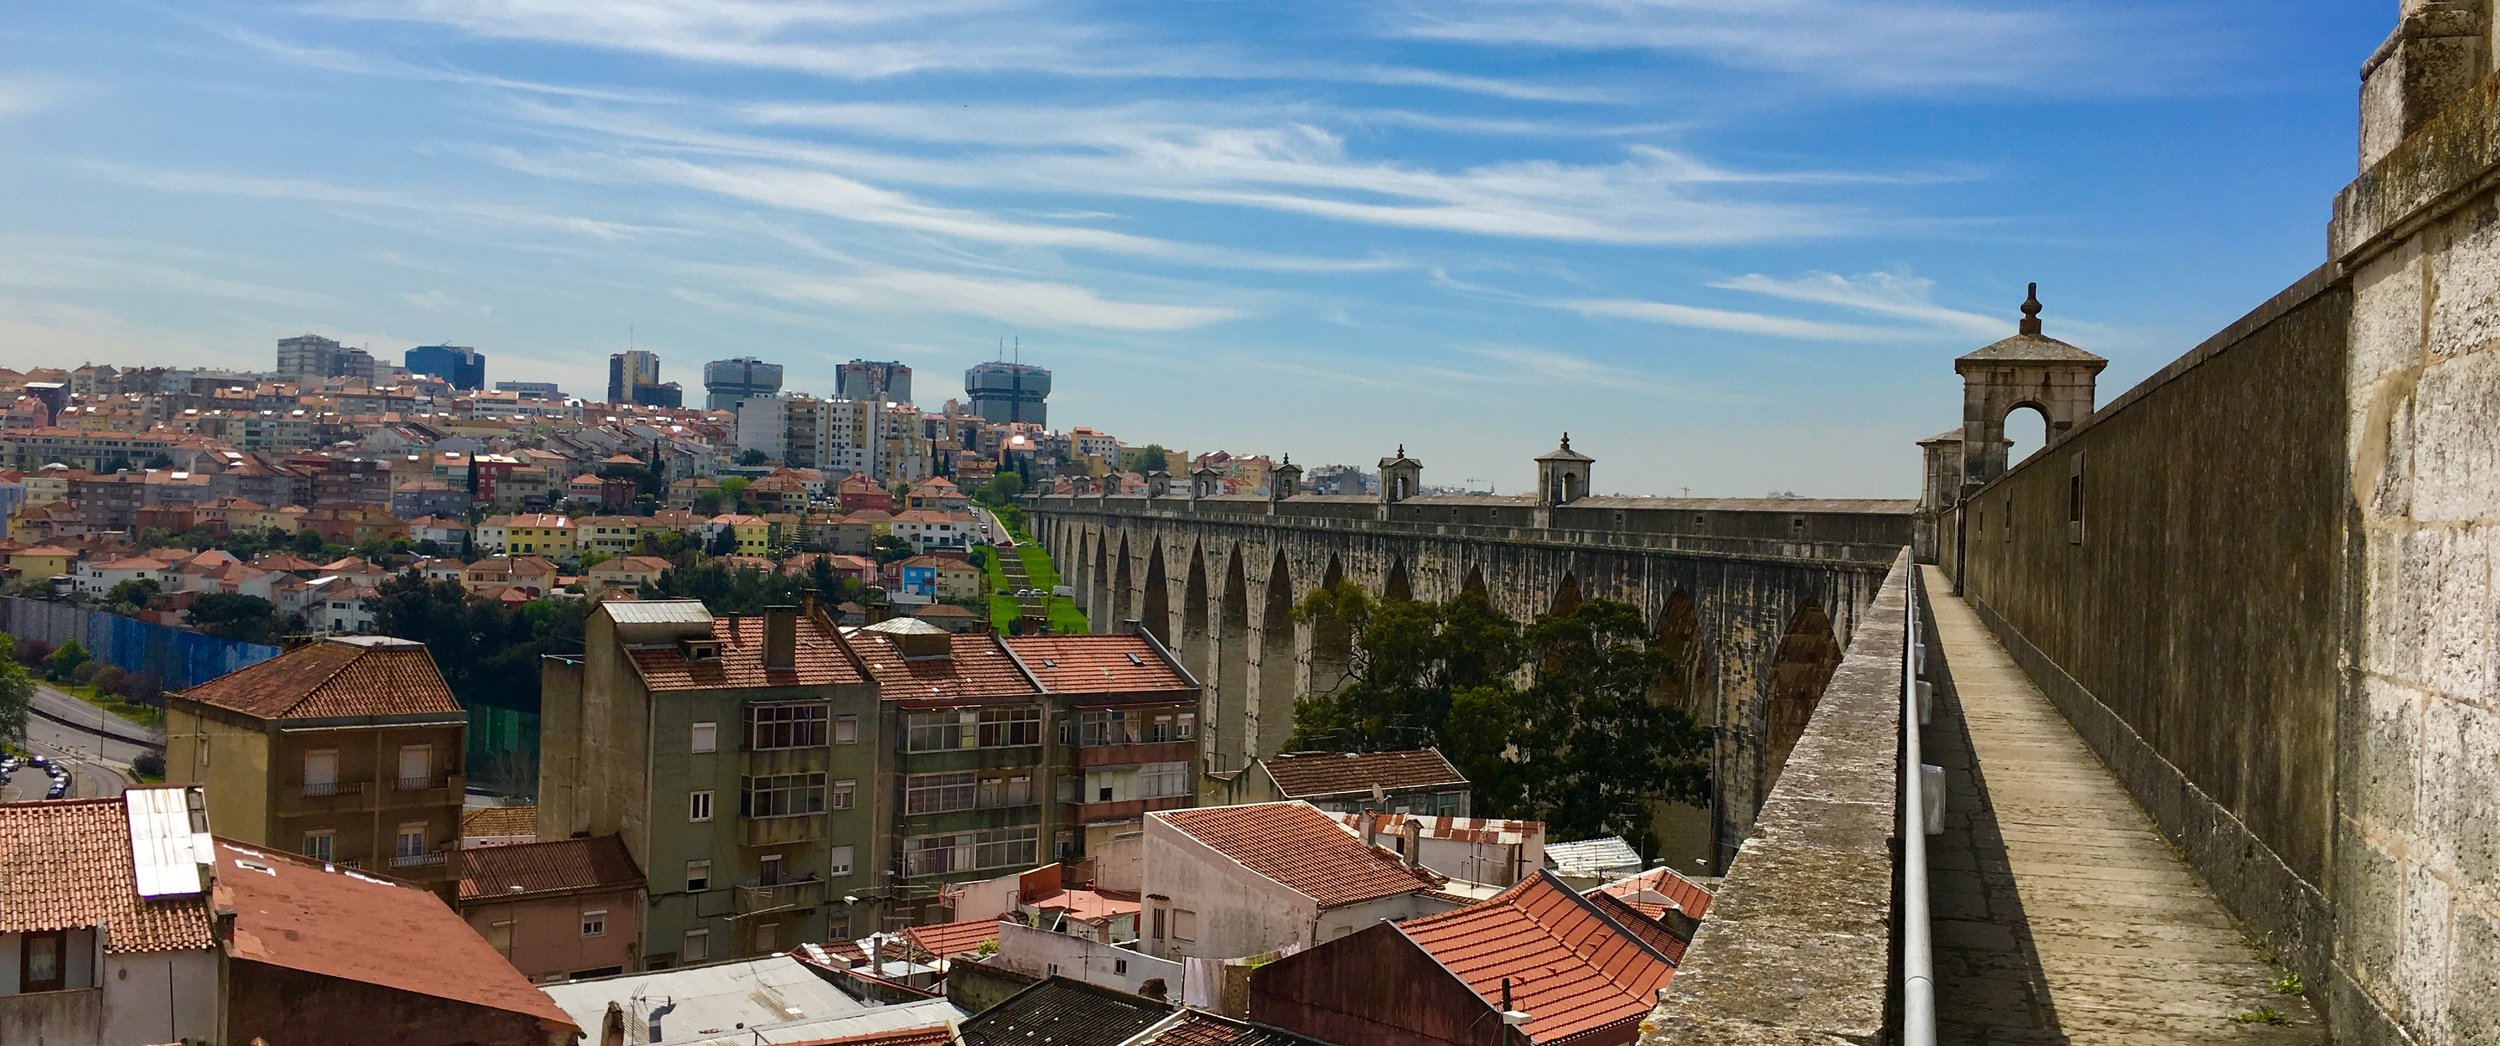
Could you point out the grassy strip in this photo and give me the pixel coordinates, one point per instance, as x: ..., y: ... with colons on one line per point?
x: 140, y: 714
x: 1039, y: 572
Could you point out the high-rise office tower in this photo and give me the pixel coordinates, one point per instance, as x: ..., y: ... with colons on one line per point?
x: 631, y: 370
x: 1002, y: 391
x: 462, y: 366
x: 883, y: 381
x: 728, y: 382
x: 307, y: 356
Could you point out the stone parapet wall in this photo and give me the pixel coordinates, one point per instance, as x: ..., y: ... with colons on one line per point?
x: 1799, y: 945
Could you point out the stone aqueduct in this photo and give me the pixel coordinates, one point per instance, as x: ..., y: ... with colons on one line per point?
x: 1754, y: 598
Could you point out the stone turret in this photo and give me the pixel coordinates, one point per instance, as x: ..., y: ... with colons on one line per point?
x: 1284, y: 480
x: 1400, y: 477
x: 1562, y: 475
x: 2029, y: 369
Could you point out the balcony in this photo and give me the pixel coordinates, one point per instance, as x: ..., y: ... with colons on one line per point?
x: 781, y: 896
x: 1126, y: 809
x: 322, y: 797
x: 425, y: 791
x: 423, y: 860
x: 774, y: 831
x: 1180, y: 750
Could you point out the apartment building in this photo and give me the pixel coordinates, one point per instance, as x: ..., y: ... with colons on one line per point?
x: 347, y: 750
x: 736, y: 758
x: 1127, y: 716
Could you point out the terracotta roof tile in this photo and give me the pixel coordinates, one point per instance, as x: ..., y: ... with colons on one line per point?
x: 1097, y: 664
x: 554, y: 867
x: 933, y: 1035
x: 296, y: 913
x: 1662, y: 886
x: 1568, y: 965
x: 820, y: 661
x: 1642, y: 920
x: 947, y: 940
x: 977, y: 666
x: 489, y: 821
x: 67, y: 864
x: 359, y: 676
x: 1300, y: 846
x: 1312, y: 775
x: 1200, y: 1028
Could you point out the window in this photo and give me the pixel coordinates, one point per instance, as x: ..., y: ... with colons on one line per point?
x: 595, y: 923
x: 1010, y: 790
x: 2074, y: 502
x: 1001, y: 847
x: 1155, y: 780
x: 838, y: 861
x: 698, y: 946
x: 1010, y: 727
x: 768, y: 871
x: 1105, y: 728
x: 1184, y: 924
x: 783, y: 795
x: 935, y: 731
x: 411, y: 841
x: 846, y: 730
x: 698, y: 876
x: 499, y: 935
x: 786, y: 726
x: 938, y: 793
x: 845, y: 795
x: 416, y: 767
x: 43, y: 962
x: 321, y: 772
x: 320, y: 845
x: 699, y: 805
x: 706, y: 737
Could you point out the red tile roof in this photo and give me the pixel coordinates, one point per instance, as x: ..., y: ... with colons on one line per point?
x: 1312, y: 775
x: 359, y: 676
x: 291, y: 912
x: 976, y: 667
x: 1568, y: 966
x: 819, y: 662
x: 1200, y: 1028
x: 1303, y: 848
x: 1097, y: 664
x: 947, y: 940
x: 67, y: 864
x: 1662, y: 886
x: 485, y: 821
x: 933, y: 1035
x: 1641, y: 920
x: 558, y: 866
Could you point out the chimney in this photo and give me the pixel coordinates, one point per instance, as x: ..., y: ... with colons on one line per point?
x: 1414, y: 842
x: 612, y: 1026
x: 781, y: 637
x: 1366, y: 826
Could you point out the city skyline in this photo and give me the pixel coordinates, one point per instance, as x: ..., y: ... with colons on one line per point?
x: 1731, y: 255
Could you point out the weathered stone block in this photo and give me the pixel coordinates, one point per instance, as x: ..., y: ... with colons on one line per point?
x: 2369, y: 913
x: 2458, y: 833
x: 2387, y: 315
x: 2384, y: 769
x: 2421, y: 973
x: 2457, y: 440
x: 2473, y: 1017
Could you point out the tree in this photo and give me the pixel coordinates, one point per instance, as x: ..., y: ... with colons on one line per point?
x: 65, y: 661
x: 307, y: 543
x: 751, y: 457
x: 132, y: 595
x: 889, y: 548
x: 979, y: 558
x: 17, y: 692
x: 734, y: 491
x: 1001, y: 489
x: 1153, y: 458
x: 1581, y: 747
x: 232, y: 615
x: 724, y: 542
x: 707, y: 503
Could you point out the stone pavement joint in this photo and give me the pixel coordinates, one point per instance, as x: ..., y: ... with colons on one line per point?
x: 2061, y: 915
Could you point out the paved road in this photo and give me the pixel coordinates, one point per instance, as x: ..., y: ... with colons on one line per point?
x: 2061, y: 914
x: 96, y: 761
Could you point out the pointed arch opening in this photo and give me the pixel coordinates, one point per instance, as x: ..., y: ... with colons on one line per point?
x: 1155, y: 604
x: 1332, y: 639
x: 1686, y: 837
x: 1475, y: 584
x: 1808, y: 655
x: 1228, y: 717
x: 1566, y: 596
x: 1272, y: 715
x: 1123, y: 583
x: 1397, y: 589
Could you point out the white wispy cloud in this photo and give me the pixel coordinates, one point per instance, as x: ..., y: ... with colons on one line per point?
x: 446, y: 302
x: 19, y: 97
x: 1730, y: 320
x: 1885, y: 45
x: 1898, y: 295
x: 1036, y: 303
x: 337, y: 60
x: 313, y: 191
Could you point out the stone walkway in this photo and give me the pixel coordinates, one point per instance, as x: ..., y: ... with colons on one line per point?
x: 2060, y: 914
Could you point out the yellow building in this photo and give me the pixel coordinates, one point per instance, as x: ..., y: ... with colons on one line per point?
x: 541, y: 534
x: 754, y: 534
x: 346, y: 750
x: 42, y: 561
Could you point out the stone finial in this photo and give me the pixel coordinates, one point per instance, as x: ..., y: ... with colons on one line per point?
x: 1566, y: 443
x: 1401, y: 450
x: 2031, y: 313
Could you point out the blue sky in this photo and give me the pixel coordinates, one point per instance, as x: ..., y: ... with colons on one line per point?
x: 1731, y: 245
